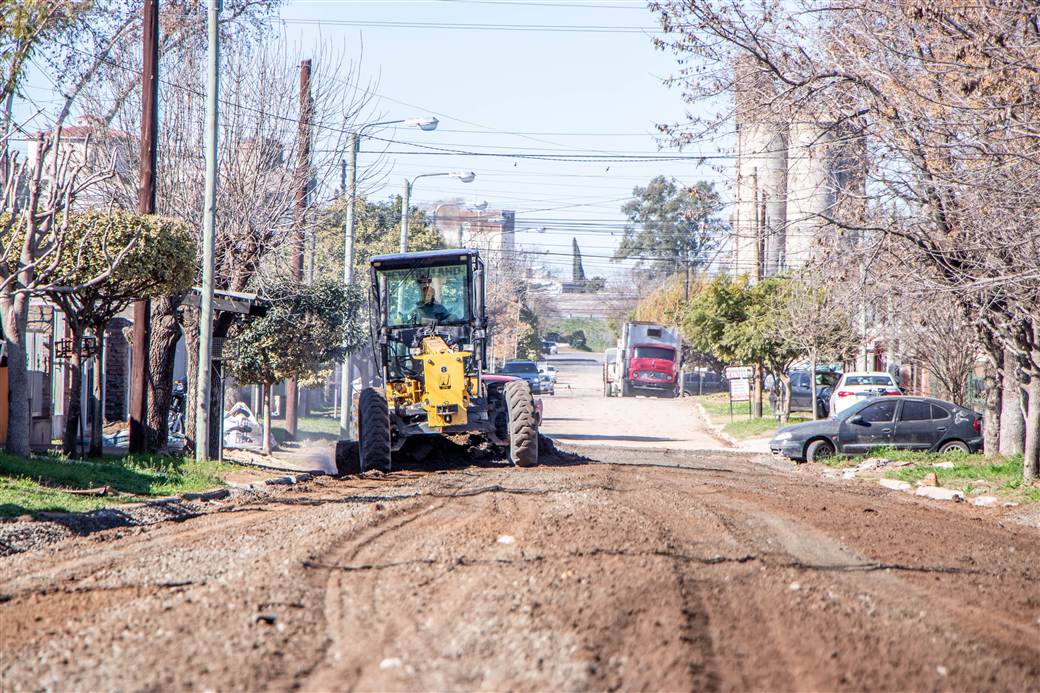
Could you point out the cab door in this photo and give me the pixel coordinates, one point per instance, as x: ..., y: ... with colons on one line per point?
x: 871, y: 427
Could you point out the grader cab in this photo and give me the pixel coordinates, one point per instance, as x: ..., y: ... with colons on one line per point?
x: 429, y: 335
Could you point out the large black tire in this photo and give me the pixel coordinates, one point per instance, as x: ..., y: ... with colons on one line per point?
x: 373, y: 430
x: 347, y: 459
x: 523, y: 432
x: 626, y: 389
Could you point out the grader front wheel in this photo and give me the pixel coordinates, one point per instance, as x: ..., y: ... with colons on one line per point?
x: 373, y: 430
x: 523, y: 432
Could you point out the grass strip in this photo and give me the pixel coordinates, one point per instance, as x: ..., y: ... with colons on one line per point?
x: 742, y: 427
x: 43, y: 484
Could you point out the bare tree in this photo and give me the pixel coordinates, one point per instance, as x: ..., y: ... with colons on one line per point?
x: 256, y: 222
x: 814, y: 319
x: 943, y: 94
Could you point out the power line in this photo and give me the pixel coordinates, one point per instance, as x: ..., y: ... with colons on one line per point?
x: 540, y: 28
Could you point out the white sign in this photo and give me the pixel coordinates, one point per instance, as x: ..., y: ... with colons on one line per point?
x: 740, y: 372
x: 740, y: 390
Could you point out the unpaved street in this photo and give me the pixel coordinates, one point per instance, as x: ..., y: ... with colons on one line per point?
x: 632, y: 569
x: 579, y: 413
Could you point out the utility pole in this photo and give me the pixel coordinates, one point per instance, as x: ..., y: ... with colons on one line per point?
x: 349, y: 184
x: 303, y: 176
x: 138, y: 441
x: 209, y: 232
x: 404, y: 214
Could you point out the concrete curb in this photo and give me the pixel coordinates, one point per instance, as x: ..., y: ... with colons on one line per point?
x: 714, y: 428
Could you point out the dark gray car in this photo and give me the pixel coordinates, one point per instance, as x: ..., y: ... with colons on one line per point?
x: 907, y: 423
x: 801, y: 391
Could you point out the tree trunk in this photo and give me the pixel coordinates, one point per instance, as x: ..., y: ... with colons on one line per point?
x: 991, y: 414
x: 812, y: 383
x: 97, y: 418
x: 756, y: 397
x: 266, y: 397
x: 191, y: 363
x: 785, y: 397
x: 73, y: 410
x: 162, y: 350
x: 1012, y: 419
x: 14, y: 313
x: 1031, y: 466
x: 291, y: 416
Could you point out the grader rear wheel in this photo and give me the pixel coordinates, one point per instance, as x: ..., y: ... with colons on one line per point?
x: 373, y: 430
x: 523, y: 432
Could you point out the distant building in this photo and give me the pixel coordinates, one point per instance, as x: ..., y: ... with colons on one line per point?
x: 89, y: 148
x: 492, y: 231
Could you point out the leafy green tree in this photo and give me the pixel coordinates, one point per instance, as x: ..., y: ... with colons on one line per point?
x: 25, y: 26
x: 711, y: 313
x: 308, y: 328
x: 377, y: 229
x: 738, y: 323
x: 759, y: 339
x: 671, y: 228
x: 120, y: 256
x: 528, y: 340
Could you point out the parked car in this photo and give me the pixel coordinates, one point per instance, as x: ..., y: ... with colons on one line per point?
x: 548, y: 374
x: 526, y: 370
x: 801, y: 391
x: 907, y: 423
x: 550, y: 347
x: 858, y: 386
x: 548, y: 377
x: 703, y: 383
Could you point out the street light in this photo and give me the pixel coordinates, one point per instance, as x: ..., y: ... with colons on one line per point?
x: 464, y: 176
x: 423, y: 123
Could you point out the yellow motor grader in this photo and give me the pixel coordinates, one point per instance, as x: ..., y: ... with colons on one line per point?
x: 429, y: 334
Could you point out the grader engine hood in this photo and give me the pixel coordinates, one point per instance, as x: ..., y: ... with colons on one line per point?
x: 446, y: 395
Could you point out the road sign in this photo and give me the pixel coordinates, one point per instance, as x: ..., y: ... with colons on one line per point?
x: 740, y: 372
x: 740, y: 390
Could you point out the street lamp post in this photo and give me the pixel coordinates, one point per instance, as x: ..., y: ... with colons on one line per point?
x: 349, y: 185
x: 464, y: 176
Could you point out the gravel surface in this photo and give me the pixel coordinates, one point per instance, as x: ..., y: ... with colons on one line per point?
x: 619, y: 568
x: 579, y: 413
x: 640, y: 569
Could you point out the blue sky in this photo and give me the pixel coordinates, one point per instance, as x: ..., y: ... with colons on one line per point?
x: 595, y: 90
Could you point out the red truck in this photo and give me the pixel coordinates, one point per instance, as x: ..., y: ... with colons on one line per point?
x: 646, y: 361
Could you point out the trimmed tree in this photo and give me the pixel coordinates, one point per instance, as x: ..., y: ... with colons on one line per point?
x: 308, y: 328
x: 811, y: 319
x: 121, y: 256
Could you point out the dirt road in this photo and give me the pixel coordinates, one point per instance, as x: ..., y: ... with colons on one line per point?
x: 634, y: 569
x: 579, y: 413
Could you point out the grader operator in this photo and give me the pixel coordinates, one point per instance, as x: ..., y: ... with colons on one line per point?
x: 429, y: 334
